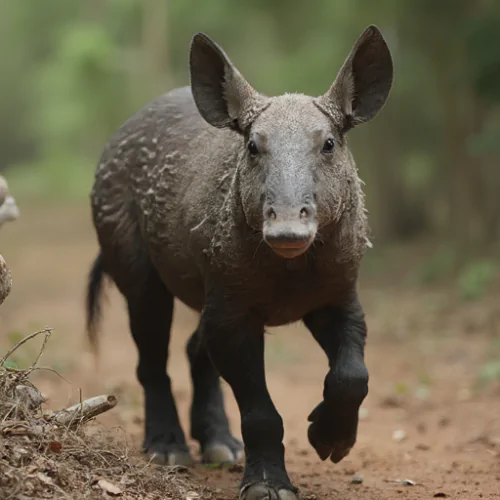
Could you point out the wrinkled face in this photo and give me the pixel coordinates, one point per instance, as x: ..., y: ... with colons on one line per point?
x: 296, y: 170
x: 294, y: 174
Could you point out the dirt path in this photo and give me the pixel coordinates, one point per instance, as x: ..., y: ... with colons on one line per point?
x: 423, y: 357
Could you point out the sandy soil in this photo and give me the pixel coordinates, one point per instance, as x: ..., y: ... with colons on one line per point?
x: 424, y: 354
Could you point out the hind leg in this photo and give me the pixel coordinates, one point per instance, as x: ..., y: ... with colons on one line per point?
x: 150, y: 307
x: 209, y: 423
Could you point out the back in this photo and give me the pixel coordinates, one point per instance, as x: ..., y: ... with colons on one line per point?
x: 151, y: 187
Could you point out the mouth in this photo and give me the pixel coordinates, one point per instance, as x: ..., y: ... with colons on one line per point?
x: 291, y: 250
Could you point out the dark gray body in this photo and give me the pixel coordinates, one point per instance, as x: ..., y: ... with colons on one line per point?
x: 248, y: 209
x: 171, y: 176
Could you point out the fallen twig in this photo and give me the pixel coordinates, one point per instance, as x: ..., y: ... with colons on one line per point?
x: 84, y: 411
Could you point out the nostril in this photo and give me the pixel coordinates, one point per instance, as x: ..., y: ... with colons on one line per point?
x: 305, y: 213
x: 270, y: 213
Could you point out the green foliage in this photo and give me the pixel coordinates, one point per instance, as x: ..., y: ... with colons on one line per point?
x: 9, y: 364
x: 56, y: 178
x: 401, y: 388
x: 489, y: 373
x: 439, y: 265
x: 74, y: 71
x: 475, y: 279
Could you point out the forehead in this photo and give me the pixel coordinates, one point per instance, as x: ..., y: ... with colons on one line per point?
x: 291, y: 114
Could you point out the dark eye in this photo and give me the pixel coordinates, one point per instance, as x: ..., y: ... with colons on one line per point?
x: 328, y: 147
x: 252, y: 148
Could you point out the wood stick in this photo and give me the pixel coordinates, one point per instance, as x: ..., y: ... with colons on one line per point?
x: 84, y: 411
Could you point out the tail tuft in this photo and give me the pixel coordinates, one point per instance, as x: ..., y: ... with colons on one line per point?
x: 94, y: 295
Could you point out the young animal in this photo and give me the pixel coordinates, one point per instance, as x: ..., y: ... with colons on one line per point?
x: 248, y: 209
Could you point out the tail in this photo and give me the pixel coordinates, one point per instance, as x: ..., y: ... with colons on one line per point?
x: 94, y: 295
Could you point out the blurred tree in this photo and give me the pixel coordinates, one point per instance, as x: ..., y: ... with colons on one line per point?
x: 74, y: 71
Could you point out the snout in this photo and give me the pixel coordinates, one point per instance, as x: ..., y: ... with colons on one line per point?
x: 290, y: 234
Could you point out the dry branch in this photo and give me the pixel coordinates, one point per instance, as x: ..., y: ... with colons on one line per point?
x: 84, y: 411
x: 47, y: 454
x: 5, y: 280
x: 46, y: 331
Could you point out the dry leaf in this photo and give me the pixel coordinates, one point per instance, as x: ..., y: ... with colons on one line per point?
x: 55, y: 446
x: 109, y: 488
x: 29, y: 396
x: 44, y: 478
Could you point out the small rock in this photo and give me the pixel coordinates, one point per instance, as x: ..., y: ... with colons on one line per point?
x: 399, y: 435
x: 422, y: 393
x: 440, y: 494
x: 357, y: 479
x: 406, y: 482
x: 363, y: 413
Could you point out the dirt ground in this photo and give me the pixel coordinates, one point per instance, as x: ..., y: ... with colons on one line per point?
x: 424, y: 354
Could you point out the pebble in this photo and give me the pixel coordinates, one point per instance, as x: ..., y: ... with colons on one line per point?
x: 399, y: 435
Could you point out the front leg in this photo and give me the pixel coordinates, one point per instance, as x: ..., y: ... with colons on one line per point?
x: 236, y: 348
x: 341, y: 332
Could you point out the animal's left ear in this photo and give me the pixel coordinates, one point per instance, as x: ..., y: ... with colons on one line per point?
x: 362, y: 85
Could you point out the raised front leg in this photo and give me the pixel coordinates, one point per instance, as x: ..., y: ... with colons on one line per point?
x: 236, y: 348
x: 341, y: 332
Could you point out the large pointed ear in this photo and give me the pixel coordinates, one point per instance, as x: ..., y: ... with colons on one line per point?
x: 362, y: 85
x: 223, y: 97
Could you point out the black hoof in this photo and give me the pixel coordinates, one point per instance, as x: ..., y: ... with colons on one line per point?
x: 227, y: 451
x: 330, y: 434
x: 262, y: 491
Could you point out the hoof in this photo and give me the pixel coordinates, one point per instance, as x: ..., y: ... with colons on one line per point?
x: 266, y: 492
x: 171, y: 458
x: 330, y: 435
x: 220, y: 453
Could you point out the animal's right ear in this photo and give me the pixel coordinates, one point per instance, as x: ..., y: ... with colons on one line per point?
x: 223, y: 97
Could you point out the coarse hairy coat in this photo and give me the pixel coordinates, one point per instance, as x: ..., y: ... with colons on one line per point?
x: 248, y: 209
x: 171, y: 184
